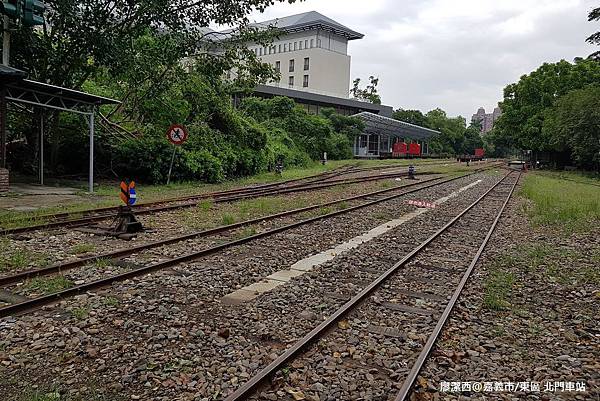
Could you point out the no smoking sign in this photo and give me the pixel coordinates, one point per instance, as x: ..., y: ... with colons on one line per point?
x: 177, y: 134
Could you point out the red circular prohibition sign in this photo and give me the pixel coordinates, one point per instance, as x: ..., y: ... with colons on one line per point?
x: 177, y: 134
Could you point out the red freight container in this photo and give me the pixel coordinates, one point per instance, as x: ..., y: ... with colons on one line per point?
x: 414, y: 149
x: 400, y: 148
x: 479, y: 152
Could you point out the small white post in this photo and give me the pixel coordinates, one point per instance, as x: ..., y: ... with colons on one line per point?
x: 41, y: 148
x: 91, y: 177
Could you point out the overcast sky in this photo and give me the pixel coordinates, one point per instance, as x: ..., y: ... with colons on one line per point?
x: 453, y: 54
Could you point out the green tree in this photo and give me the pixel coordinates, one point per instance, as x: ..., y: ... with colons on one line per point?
x: 526, y: 102
x: 415, y: 117
x: 82, y: 36
x: 574, y: 123
x: 451, y: 138
x: 368, y: 94
x: 594, y: 15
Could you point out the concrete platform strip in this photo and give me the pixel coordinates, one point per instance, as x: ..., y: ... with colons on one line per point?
x: 281, y: 277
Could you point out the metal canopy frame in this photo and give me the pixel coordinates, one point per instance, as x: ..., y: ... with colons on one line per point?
x: 38, y: 94
x: 377, y: 124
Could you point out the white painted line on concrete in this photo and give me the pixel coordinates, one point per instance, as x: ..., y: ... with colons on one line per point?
x: 307, y: 264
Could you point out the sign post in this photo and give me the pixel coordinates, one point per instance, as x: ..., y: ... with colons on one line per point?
x: 177, y: 134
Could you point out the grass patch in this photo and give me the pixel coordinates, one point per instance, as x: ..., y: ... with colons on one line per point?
x: 111, y: 301
x: 246, y: 232
x: 324, y: 210
x: 342, y: 205
x: 49, y: 285
x: 82, y: 248
x: 572, y: 206
x: 80, y: 313
x: 205, y: 205
x: 102, y: 263
x: 498, y: 288
x: 13, y: 258
x: 227, y: 219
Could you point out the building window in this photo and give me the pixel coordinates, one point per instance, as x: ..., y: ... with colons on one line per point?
x: 260, y: 51
x: 306, y: 64
x: 319, y: 43
x: 279, y: 48
x: 292, y: 65
x: 312, y: 43
x: 300, y: 45
x: 295, y: 46
x: 290, y: 46
x: 291, y: 81
x: 285, y: 47
x: 305, y: 82
x: 306, y: 44
x: 278, y: 66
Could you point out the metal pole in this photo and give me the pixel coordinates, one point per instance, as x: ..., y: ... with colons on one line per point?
x: 91, y: 177
x: 41, y: 147
x: 171, y: 166
x: 3, y: 113
x: 6, y: 42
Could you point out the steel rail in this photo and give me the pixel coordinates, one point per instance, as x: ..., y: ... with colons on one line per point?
x: 253, y: 194
x: 414, y: 372
x: 247, y: 389
x: 58, y: 219
x: 47, y: 299
x: 59, y: 267
x: 316, y: 178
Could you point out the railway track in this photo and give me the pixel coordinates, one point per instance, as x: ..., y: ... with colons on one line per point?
x: 96, y: 215
x: 419, y: 291
x: 368, y: 199
x: 310, y: 183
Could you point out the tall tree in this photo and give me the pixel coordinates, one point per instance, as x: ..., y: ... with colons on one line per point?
x: 574, y: 123
x: 369, y: 93
x: 81, y: 36
x: 415, y: 117
x: 526, y: 102
x: 594, y: 15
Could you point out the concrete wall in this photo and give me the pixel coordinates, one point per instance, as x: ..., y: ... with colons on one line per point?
x: 3, y: 180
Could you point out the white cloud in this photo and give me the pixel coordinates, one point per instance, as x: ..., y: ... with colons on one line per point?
x: 453, y: 54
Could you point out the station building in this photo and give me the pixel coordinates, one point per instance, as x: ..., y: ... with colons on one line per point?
x: 311, y: 55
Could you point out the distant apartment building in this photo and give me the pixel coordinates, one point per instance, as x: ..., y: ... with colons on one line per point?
x: 487, y: 120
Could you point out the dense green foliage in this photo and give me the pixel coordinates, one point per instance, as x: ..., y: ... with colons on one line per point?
x: 328, y: 132
x: 574, y: 123
x: 553, y: 110
x: 454, y: 138
x: 151, y: 55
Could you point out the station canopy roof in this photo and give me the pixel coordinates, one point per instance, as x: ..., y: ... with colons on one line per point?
x: 33, y: 93
x: 377, y: 124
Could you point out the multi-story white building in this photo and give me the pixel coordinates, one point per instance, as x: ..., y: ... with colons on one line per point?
x: 311, y: 54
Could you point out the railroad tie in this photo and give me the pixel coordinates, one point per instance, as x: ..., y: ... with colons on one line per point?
x: 407, y: 309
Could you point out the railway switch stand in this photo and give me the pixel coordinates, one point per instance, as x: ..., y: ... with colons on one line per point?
x: 411, y: 172
x: 126, y: 222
